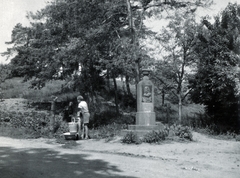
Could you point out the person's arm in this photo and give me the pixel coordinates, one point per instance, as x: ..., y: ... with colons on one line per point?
x: 79, y: 110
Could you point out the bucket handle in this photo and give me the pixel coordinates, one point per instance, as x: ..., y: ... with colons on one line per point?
x: 73, y: 119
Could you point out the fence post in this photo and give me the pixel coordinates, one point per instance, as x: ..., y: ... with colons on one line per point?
x: 53, y: 112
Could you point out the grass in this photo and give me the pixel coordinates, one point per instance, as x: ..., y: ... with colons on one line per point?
x: 51, y: 88
x: 190, y: 113
x: 15, y: 88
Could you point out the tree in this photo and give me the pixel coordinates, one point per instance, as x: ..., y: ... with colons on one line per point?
x: 70, y: 37
x: 177, y: 41
x: 4, y: 74
x: 215, y: 83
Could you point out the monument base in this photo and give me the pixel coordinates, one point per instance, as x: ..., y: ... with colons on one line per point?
x: 142, y: 130
x: 145, y: 118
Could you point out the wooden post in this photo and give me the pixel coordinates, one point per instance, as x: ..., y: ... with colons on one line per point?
x: 53, y: 112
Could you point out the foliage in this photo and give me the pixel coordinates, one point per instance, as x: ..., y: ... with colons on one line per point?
x: 172, y: 72
x: 35, y: 124
x: 155, y: 136
x: 131, y: 138
x: 14, y: 88
x: 109, y: 117
x: 183, y: 132
x: 215, y: 84
x: 217, y: 130
x: 82, y: 41
x: 174, y: 132
x: 4, y: 72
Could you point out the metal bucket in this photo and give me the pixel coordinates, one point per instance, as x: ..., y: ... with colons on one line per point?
x: 70, y: 136
x: 73, y: 127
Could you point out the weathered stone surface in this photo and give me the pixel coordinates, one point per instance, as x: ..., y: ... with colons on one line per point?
x: 145, y: 116
x: 145, y: 102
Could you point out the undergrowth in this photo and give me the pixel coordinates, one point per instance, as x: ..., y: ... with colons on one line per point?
x: 215, y: 131
x: 154, y: 137
x: 106, y: 132
x: 31, y: 124
x: 131, y: 138
x: 158, y: 136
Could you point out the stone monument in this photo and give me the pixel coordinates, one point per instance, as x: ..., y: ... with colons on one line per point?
x: 145, y: 115
x: 145, y: 101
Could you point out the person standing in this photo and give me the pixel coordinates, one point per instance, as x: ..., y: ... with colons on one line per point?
x: 68, y: 112
x: 83, y: 109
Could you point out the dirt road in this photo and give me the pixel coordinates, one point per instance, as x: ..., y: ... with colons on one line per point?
x: 35, y: 158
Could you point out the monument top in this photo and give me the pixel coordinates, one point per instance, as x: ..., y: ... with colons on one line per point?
x: 145, y: 72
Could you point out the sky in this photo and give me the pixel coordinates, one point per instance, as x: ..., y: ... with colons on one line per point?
x: 14, y: 11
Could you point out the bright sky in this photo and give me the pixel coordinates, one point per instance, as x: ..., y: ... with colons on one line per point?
x: 14, y: 11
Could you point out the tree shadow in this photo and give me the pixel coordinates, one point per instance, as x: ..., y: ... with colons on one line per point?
x: 36, y: 163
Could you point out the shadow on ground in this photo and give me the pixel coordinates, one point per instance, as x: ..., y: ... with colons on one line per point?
x: 36, y: 163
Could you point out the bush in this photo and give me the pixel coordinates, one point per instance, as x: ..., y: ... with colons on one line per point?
x: 60, y: 127
x: 183, y: 132
x: 154, y: 136
x: 103, y: 118
x: 35, y: 124
x: 128, y: 101
x: 130, y: 138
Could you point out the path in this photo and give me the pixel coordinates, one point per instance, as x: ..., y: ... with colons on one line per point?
x: 205, y: 157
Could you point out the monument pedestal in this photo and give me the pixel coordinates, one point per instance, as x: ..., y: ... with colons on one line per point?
x: 142, y: 130
x: 145, y: 118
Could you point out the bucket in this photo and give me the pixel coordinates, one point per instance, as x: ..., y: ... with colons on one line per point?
x: 70, y: 136
x: 73, y: 127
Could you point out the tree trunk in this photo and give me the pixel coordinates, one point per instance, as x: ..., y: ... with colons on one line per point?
x: 108, y: 81
x: 130, y: 20
x: 163, y: 97
x: 123, y: 84
x: 53, y: 112
x: 179, y: 108
x: 128, y: 86
x: 138, y: 76
x: 133, y: 41
x: 116, y: 95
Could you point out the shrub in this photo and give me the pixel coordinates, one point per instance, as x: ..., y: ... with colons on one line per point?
x: 103, y: 118
x: 60, y: 127
x: 35, y: 124
x: 130, y: 138
x: 154, y: 136
x: 183, y: 132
